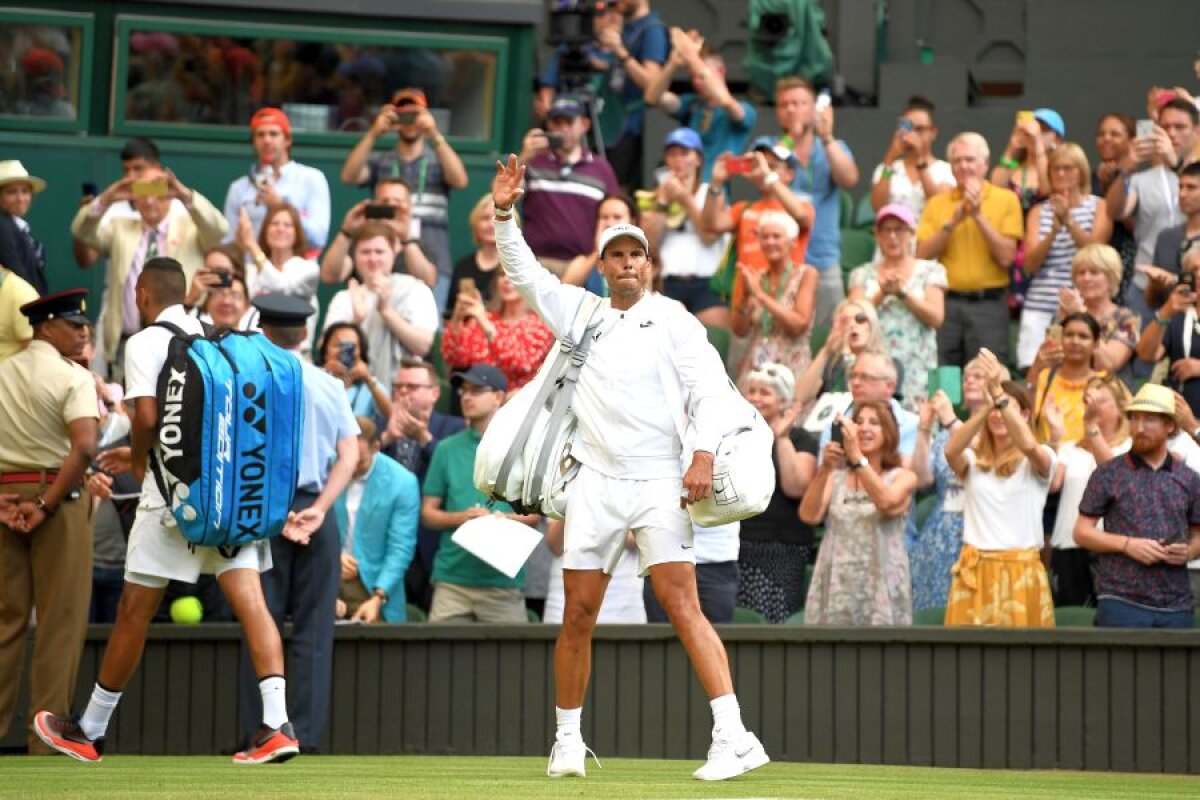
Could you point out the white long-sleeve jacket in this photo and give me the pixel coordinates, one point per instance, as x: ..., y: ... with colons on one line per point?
x: 647, y: 365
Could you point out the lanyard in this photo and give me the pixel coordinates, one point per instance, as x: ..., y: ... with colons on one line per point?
x: 420, y: 175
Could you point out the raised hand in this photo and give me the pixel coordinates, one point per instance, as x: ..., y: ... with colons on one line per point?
x: 507, y: 185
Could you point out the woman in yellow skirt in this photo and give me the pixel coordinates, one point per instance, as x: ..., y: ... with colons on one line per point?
x: 999, y: 579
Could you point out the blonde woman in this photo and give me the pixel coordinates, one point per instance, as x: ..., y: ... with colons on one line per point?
x: 999, y: 579
x: 480, y: 265
x: 856, y: 330
x: 1055, y: 229
x: 1096, y: 280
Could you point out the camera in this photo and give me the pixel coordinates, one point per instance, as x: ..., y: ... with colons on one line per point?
x: 1187, y: 279
x: 772, y: 29
x: 345, y: 355
x: 556, y: 140
x: 379, y: 211
x: 837, y: 433
x: 224, y: 279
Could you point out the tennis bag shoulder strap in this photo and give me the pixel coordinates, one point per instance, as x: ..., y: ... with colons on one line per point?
x: 231, y: 409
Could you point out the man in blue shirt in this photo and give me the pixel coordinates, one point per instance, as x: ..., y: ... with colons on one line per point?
x: 306, y: 570
x: 723, y: 122
x: 826, y: 167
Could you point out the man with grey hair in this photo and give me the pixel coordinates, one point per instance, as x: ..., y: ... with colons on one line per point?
x: 973, y: 231
x: 873, y: 378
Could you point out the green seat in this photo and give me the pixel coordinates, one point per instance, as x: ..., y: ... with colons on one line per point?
x: 719, y: 338
x: 796, y: 619
x: 820, y: 334
x: 747, y: 616
x: 929, y: 616
x: 864, y: 213
x: 858, y: 247
x: 443, y: 402
x: 1074, y: 617
x: 846, y: 209
x: 925, y: 504
x: 435, y: 356
x: 415, y: 614
x: 532, y: 615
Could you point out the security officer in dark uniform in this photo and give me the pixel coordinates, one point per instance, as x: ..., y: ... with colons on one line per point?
x: 47, y: 442
x: 306, y: 573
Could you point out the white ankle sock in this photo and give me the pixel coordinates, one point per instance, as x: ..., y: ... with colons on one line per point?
x: 94, y: 720
x: 568, y: 722
x: 727, y: 716
x: 274, y: 701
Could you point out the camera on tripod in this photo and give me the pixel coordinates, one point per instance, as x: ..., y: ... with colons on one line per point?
x: 570, y: 31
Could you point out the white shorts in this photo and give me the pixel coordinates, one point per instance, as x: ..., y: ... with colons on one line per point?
x: 600, y: 510
x: 158, y: 553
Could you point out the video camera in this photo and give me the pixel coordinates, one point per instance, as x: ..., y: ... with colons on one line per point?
x: 570, y: 31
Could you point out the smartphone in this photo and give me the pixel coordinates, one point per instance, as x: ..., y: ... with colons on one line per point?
x: 556, y: 140
x: 89, y: 189
x: 824, y: 100
x: 467, y: 286
x: 949, y: 380
x: 405, y: 117
x: 904, y: 125
x: 224, y: 279
x: 1024, y: 117
x: 379, y: 211
x: 837, y: 433
x: 345, y: 354
x: 1054, y: 332
x: 1187, y: 278
x: 154, y: 188
x: 1145, y: 128
x: 739, y: 165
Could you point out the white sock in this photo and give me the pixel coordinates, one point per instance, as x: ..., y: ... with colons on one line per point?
x: 727, y: 717
x: 94, y: 720
x: 568, y: 722
x: 274, y: 700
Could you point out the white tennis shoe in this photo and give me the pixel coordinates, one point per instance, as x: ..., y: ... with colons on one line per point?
x: 568, y: 758
x: 728, y: 758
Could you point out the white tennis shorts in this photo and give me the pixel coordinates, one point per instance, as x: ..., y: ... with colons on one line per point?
x: 158, y: 553
x: 600, y: 510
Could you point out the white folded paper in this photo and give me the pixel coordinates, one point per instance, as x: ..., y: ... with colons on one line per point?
x: 499, y: 541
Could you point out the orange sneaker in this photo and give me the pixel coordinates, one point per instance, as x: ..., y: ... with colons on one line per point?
x: 65, y: 736
x: 270, y: 744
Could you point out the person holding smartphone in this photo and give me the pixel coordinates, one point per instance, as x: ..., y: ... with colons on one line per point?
x: 1149, y: 501
x: 1172, y: 334
x: 909, y: 172
x: 344, y: 354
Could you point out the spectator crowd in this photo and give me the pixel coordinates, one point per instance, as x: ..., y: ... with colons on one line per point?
x: 993, y: 416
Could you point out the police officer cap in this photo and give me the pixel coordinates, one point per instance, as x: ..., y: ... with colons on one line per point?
x: 282, y: 310
x: 70, y: 305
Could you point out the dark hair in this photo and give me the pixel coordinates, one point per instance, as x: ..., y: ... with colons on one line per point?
x: 163, y: 277
x: 1126, y: 122
x: 141, y: 147
x: 1179, y: 104
x: 1087, y: 319
x: 236, y: 258
x: 919, y: 102
x: 1192, y: 170
x: 299, y: 243
x: 634, y: 214
x: 889, y: 455
x: 327, y: 336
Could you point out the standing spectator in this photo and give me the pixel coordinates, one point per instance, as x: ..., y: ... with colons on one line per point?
x: 936, y: 546
x: 345, y: 355
x: 274, y: 179
x: 1055, y: 230
x: 1113, y: 136
x: 826, y: 167
x: 909, y: 295
x: 856, y: 331
x: 584, y: 270
x: 999, y: 579
x: 910, y: 173
x: 872, y: 378
x: 138, y: 155
x: 278, y: 253
x: 1147, y: 196
x: 303, y: 579
x: 776, y: 545
x: 397, y: 313
x: 15, y: 330
x: 973, y: 231
x: 1177, y: 248
x: 183, y: 230
x: 723, y: 122
x: 412, y: 256
x: 688, y: 252
x: 479, y: 265
x: 1024, y: 165
x: 1096, y: 275
x: 465, y: 589
x: 377, y: 516
x: 505, y: 333
x: 1060, y: 375
x: 565, y: 183
x: 1106, y: 437
x: 1172, y: 333
x: 776, y: 311
x: 20, y: 252
x: 1149, y: 501
x: 47, y: 441
x: 218, y: 294
x: 431, y: 176
x: 862, y: 494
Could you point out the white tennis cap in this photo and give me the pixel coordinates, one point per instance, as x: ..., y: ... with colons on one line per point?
x: 623, y: 229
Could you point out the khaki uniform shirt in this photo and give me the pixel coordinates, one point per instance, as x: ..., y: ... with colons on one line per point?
x: 15, y: 329
x: 41, y: 393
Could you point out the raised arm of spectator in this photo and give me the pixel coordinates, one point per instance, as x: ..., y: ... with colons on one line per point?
x: 355, y: 170
x: 452, y: 167
x: 654, y: 45
x: 336, y: 263
x: 657, y: 91
x: 716, y: 216
x: 1150, y: 345
x: 815, y: 504
x: 691, y: 45
x: 842, y: 167
x: 86, y: 226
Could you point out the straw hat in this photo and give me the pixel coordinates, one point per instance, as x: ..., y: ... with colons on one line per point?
x: 15, y: 172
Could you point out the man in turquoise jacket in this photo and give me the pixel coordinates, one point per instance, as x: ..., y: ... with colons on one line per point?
x: 377, y: 516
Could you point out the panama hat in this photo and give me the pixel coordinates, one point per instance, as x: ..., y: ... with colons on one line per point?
x: 14, y: 172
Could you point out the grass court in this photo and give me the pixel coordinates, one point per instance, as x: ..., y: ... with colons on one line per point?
x: 411, y: 777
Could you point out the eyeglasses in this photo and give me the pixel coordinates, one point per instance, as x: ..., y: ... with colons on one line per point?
x: 410, y: 387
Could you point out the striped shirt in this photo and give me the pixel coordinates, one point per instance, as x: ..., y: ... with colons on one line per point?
x: 1055, y: 272
x: 561, y: 201
x: 430, y: 198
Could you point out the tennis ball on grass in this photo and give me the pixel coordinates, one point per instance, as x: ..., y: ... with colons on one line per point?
x: 187, y: 611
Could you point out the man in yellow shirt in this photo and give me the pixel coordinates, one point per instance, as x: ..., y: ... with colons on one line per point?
x: 973, y: 231
x: 15, y: 331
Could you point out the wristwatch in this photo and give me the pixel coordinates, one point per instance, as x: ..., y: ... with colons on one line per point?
x: 862, y: 462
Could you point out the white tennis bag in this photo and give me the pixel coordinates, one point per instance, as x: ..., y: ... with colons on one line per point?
x: 524, y: 457
x: 743, y: 472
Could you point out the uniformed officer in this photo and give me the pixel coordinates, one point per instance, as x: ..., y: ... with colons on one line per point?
x: 307, y: 566
x: 47, y: 441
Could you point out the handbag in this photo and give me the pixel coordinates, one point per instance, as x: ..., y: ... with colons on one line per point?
x: 524, y: 457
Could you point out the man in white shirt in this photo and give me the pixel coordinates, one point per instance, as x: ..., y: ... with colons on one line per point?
x: 397, y: 313
x: 159, y: 553
x: 274, y: 178
x: 873, y: 378
x: 648, y: 354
